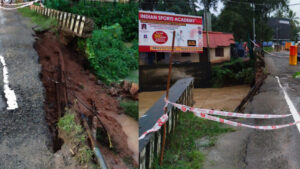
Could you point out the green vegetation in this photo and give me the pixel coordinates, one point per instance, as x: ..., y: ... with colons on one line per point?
x: 77, y: 135
x: 235, y: 71
x: 183, y: 151
x: 131, y: 108
x: 104, y: 14
x: 43, y: 22
x: 133, y: 76
x: 236, y: 16
x: 296, y: 75
x: 108, y: 56
x: 268, y: 49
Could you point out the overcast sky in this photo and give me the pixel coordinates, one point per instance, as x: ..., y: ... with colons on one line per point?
x: 295, y: 8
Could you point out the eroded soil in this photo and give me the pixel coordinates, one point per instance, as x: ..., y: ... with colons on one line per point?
x: 81, y: 85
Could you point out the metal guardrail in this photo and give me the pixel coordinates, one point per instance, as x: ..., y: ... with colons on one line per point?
x: 77, y: 24
x: 150, y: 146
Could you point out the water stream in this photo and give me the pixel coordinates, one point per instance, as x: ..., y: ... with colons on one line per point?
x: 225, y: 98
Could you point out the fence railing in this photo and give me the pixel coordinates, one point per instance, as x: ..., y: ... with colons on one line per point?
x: 150, y: 146
x: 77, y: 24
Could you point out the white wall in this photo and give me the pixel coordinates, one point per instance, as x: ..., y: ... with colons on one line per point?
x: 214, y: 59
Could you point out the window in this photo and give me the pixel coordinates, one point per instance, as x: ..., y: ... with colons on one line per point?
x: 219, y: 52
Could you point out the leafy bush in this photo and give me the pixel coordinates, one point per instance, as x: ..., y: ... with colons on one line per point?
x: 103, y: 14
x: 62, y: 5
x: 108, y: 56
x: 233, y: 72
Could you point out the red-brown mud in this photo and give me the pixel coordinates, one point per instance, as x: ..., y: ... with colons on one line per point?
x: 83, y: 84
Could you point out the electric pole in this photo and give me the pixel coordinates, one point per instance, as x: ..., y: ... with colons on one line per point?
x: 254, y: 22
x: 206, y: 29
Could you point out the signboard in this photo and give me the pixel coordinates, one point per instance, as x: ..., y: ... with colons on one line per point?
x: 156, y: 33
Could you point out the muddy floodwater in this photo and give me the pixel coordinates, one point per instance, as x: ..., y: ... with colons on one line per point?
x: 225, y: 98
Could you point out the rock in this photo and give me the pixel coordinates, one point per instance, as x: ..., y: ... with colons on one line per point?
x: 113, y: 91
x: 134, y: 90
x: 126, y: 86
x: 99, y: 82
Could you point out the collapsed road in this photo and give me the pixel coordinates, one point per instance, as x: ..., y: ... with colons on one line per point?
x: 24, y: 136
x: 254, y: 149
x: 28, y: 127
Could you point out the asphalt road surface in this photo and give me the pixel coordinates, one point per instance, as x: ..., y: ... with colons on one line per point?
x: 24, y: 136
x: 254, y: 149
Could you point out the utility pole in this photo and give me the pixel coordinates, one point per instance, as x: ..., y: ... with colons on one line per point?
x: 206, y: 29
x: 254, y: 22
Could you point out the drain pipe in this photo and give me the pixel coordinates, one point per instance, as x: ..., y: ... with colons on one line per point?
x: 96, y: 149
x: 100, y: 158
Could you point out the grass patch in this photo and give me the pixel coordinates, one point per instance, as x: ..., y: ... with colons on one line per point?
x: 133, y: 76
x: 131, y: 108
x: 182, y: 151
x: 43, y: 22
x: 77, y: 136
x: 268, y: 49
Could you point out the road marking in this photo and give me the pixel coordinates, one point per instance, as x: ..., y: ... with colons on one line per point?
x: 9, y: 93
x: 290, y: 104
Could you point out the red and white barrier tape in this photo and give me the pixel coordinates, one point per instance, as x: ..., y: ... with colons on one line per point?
x: 161, y: 121
x: 14, y: 4
x: 185, y: 108
x: 25, y: 4
x: 204, y: 113
x: 237, y: 124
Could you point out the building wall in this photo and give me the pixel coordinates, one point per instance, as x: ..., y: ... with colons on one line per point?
x: 177, y: 57
x: 194, y: 57
x: 215, y: 59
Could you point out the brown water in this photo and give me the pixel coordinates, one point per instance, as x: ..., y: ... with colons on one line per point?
x: 147, y: 99
x: 225, y: 98
x: 130, y: 126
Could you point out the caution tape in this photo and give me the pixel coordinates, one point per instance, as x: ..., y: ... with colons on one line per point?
x: 185, y: 108
x: 25, y: 4
x: 237, y: 124
x: 206, y: 114
x: 161, y: 121
x: 14, y: 4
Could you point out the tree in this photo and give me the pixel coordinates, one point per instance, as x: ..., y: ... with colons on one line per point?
x: 178, y: 6
x: 208, y: 4
x: 148, y: 4
x: 236, y: 17
x: 291, y: 15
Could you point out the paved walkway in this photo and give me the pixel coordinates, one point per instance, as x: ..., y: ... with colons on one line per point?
x: 253, y: 149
